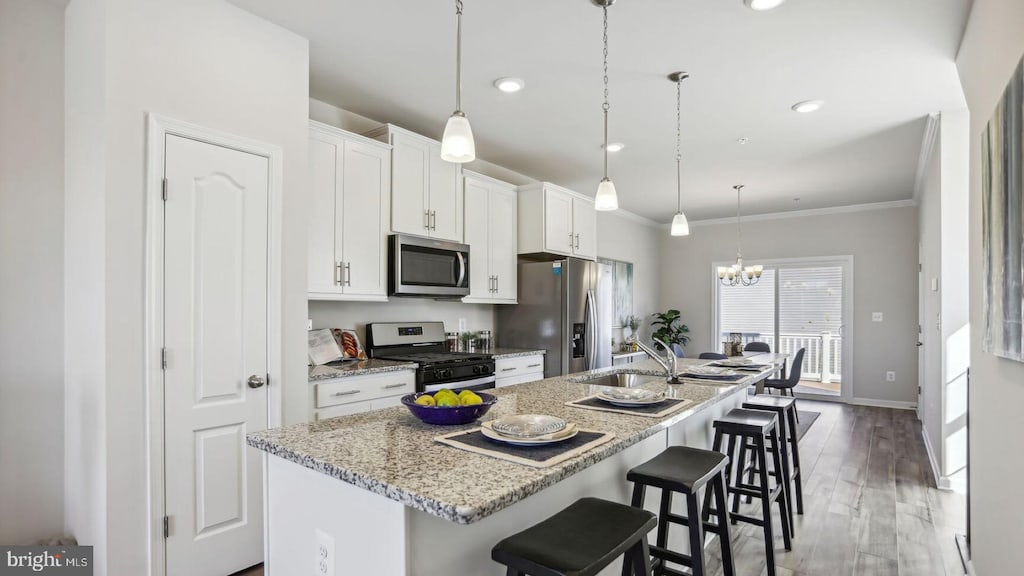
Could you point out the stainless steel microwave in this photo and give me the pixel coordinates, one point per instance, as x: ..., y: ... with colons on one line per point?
x: 427, y: 267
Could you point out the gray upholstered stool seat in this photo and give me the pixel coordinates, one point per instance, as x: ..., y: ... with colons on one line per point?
x: 581, y: 540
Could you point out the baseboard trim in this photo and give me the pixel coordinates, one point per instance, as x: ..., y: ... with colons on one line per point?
x: 941, y: 482
x: 898, y: 404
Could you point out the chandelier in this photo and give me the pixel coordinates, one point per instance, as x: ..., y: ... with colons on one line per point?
x: 737, y: 274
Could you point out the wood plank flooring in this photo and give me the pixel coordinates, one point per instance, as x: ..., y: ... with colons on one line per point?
x: 870, y: 503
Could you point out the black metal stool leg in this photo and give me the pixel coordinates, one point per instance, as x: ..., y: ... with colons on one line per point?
x: 722, y: 513
x: 640, y: 557
x: 784, y: 474
x: 696, y: 535
x: 766, y: 505
x: 795, y: 451
x: 785, y: 511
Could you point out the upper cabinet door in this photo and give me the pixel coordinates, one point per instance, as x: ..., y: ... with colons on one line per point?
x: 503, y: 244
x: 558, y: 212
x: 445, y: 197
x: 366, y: 179
x: 477, y: 218
x: 584, y: 225
x: 411, y: 166
x: 323, y: 246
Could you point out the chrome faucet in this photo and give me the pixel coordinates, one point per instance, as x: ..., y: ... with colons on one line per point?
x: 669, y: 365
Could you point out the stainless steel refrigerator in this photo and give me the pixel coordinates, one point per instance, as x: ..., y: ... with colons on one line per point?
x: 564, y: 308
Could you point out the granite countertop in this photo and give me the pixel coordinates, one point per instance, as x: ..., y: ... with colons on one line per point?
x: 360, y: 368
x: 500, y: 352
x: 391, y: 453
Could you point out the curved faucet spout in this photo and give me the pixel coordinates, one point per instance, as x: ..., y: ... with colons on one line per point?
x: 669, y: 366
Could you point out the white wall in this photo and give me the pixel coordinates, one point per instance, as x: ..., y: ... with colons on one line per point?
x: 638, y: 240
x: 201, y: 61
x: 31, y: 270
x: 883, y: 243
x: 930, y: 231
x: 991, y: 48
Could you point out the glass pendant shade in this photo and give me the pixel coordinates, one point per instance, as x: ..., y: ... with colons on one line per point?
x: 680, y: 227
x: 457, y: 143
x: 606, y: 199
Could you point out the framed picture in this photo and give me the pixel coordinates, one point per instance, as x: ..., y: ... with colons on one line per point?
x: 1002, y: 157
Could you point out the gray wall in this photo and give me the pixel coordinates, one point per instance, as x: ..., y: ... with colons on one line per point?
x: 636, y: 240
x: 31, y: 270
x: 991, y: 48
x: 883, y: 243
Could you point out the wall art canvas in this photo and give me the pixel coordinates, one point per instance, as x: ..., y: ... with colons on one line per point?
x: 1002, y: 157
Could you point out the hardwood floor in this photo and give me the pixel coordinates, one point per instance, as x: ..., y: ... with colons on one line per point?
x: 870, y: 504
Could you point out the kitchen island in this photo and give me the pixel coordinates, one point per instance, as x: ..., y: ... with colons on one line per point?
x: 377, y: 494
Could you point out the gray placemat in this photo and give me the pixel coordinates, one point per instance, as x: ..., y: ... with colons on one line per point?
x: 542, y: 456
x: 732, y: 378
x: 668, y: 406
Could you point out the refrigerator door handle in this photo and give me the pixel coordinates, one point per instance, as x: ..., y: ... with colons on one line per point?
x: 591, y: 328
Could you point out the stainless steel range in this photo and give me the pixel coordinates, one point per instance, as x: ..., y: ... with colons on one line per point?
x: 424, y: 343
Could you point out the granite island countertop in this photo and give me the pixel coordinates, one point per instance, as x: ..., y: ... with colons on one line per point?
x: 357, y: 368
x: 391, y: 453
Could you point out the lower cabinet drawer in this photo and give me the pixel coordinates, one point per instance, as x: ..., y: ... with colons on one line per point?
x: 515, y: 366
x: 362, y: 388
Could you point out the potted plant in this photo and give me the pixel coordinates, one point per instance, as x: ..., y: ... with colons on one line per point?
x: 669, y: 328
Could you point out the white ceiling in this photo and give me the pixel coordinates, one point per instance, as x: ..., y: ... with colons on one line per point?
x: 880, y: 65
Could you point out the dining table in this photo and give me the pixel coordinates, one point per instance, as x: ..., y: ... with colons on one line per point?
x: 774, y: 358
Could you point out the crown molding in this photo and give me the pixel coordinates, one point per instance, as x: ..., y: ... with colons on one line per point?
x: 627, y: 215
x: 805, y: 213
x: 928, y: 142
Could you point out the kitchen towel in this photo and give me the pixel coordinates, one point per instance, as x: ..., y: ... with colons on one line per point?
x: 668, y: 406
x: 543, y: 456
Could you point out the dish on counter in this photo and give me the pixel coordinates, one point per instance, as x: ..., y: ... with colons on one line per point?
x: 631, y: 396
x: 449, y: 415
x: 569, y: 431
x: 527, y: 425
x: 734, y: 362
x: 708, y: 371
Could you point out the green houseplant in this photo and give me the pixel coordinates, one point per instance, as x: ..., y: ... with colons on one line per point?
x: 669, y: 328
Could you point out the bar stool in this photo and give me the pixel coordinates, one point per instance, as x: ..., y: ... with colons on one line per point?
x: 753, y: 426
x: 785, y: 409
x: 580, y: 540
x: 686, y: 470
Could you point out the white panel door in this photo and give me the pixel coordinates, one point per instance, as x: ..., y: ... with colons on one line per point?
x: 503, y: 243
x: 365, y: 181
x: 558, y: 235
x: 215, y: 319
x: 323, y: 180
x: 481, y: 285
x: 410, y: 166
x: 584, y: 227
x: 445, y: 203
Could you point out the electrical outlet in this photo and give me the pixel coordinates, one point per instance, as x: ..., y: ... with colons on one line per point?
x: 876, y: 316
x: 324, y: 564
x: 890, y: 376
x: 462, y: 324
x: 309, y: 323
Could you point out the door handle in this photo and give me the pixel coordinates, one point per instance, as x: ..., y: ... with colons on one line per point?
x: 348, y: 273
x: 577, y: 242
x: 495, y: 283
x: 919, y: 344
x: 396, y: 385
x: 570, y: 240
x: 426, y: 219
x: 462, y: 268
x: 337, y: 273
x: 256, y: 381
x: 433, y: 219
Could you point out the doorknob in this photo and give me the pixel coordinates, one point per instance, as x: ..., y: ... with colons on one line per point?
x: 255, y: 381
x: 919, y: 344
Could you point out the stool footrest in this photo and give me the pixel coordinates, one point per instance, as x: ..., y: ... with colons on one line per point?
x: 665, y: 554
x: 748, y: 519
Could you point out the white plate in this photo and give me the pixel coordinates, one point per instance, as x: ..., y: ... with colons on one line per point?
x: 645, y: 401
x: 568, y: 432
x: 735, y: 362
x: 708, y: 371
x: 525, y: 426
x: 631, y: 394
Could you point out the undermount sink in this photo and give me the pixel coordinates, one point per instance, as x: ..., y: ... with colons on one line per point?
x: 622, y: 380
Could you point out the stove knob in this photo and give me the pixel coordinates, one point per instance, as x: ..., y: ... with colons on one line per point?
x: 446, y: 372
x: 483, y: 369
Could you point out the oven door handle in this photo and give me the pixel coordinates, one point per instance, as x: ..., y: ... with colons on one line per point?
x: 462, y: 269
x: 490, y: 379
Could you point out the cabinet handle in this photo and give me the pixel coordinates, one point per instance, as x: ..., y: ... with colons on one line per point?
x: 495, y: 284
x: 533, y: 366
x: 433, y: 219
x: 426, y: 219
x: 348, y: 273
x: 396, y: 385
x: 570, y: 240
x: 577, y: 241
x: 346, y: 393
x: 337, y: 273
x: 508, y: 369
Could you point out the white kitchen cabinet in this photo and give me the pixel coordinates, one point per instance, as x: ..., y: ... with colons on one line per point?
x: 556, y: 220
x: 518, y: 370
x: 491, y: 234
x: 350, y: 179
x: 426, y: 192
x: 354, y: 394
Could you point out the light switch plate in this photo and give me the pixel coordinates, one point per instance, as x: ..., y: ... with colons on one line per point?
x: 876, y: 316
x: 309, y: 323
x: 935, y: 284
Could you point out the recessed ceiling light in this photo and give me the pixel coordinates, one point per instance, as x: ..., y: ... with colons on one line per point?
x: 743, y: 140
x: 614, y: 146
x: 509, y: 84
x: 763, y: 4
x: 808, y: 106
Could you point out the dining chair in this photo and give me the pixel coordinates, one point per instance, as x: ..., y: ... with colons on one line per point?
x: 792, y: 380
x: 712, y: 356
x: 757, y: 347
x: 677, y: 350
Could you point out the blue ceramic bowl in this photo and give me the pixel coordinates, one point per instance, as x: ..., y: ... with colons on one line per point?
x: 448, y: 415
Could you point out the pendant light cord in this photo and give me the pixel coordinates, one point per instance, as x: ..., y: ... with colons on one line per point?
x: 605, y: 106
x: 458, y: 55
x: 679, y: 155
x: 739, y: 228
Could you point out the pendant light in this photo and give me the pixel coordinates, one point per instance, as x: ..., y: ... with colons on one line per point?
x: 606, y: 199
x: 737, y: 274
x: 457, y: 143
x: 680, y: 227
